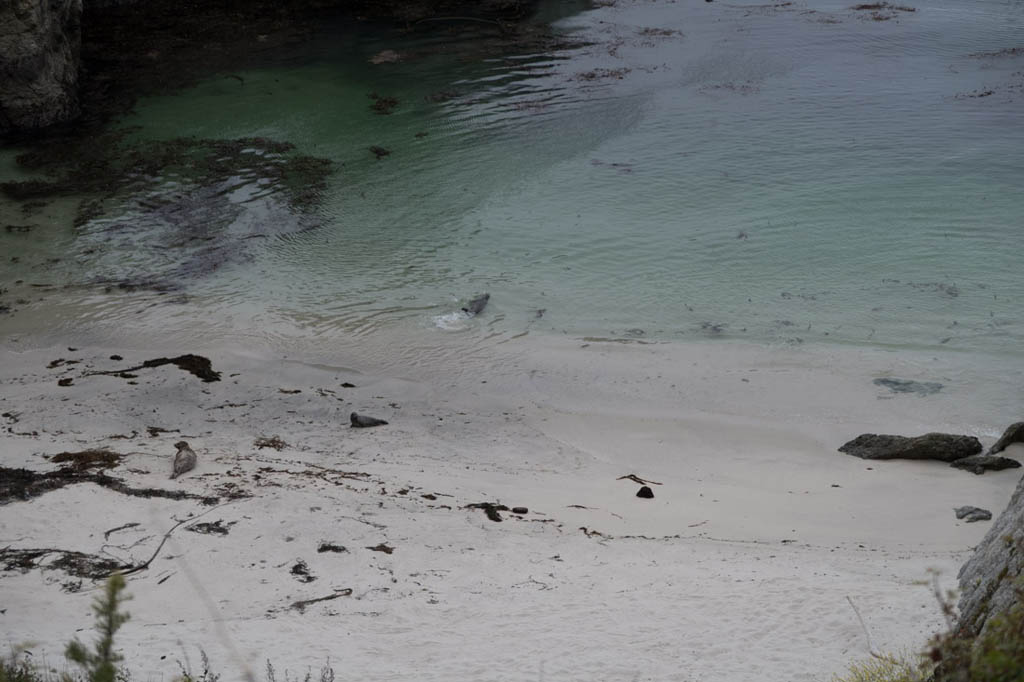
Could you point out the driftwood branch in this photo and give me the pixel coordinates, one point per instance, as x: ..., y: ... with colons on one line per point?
x: 301, y: 605
x: 867, y: 635
x: 128, y: 570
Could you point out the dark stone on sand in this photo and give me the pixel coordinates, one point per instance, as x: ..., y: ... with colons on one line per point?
x: 945, y: 447
x: 360, y: 421
x: 116, y: 358
x: 520, y: 510
x: 490, y: 508
x: 979, y: 464
x: 65, y: 382
x: 908, y: 386
x: 972, y: 514
x: 379, y: 152
x: 477, y: 305
x: 301, y: 572
x: 645, y: 492
x: 331, y: 547
x: 1013, y: 434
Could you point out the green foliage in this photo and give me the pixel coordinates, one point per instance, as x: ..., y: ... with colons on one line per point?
x: 100, y: 665
x: 887, y: 668
x: 205, y: 676
x: 14, y: 669
x: 998, y: 655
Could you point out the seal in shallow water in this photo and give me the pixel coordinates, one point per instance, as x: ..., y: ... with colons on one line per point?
x: 477, y: 305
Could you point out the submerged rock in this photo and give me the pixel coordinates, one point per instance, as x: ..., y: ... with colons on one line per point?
x: 908, y: 386
x: 972, y: 514
x: 1013, y: 434
x: 945, y: 447
x: 979, y: 464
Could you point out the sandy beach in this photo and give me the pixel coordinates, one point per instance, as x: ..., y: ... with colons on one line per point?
x: 738, y: 569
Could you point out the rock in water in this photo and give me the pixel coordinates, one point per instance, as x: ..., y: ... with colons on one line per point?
x: 1013, y: 434
x: 184, y: 461
x: 645, y: 492
x: 945, y: 447
x: 360, y: 421
x: 477, y: 305
x: 972, y: 514
x: 979, y: 464
x: 908, y: 386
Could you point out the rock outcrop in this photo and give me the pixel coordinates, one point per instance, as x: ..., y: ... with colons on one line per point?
x: 987, y: 579
x: 979, y: 464
x: 39, y: 60
x: 945, y: 447
x: 1013, y: 434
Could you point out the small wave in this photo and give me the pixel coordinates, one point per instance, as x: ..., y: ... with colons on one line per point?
x: 455, y: 321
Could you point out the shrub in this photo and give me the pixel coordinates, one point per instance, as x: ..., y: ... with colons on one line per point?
x: 100, y: 665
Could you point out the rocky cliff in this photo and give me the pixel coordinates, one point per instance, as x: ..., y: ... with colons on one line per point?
x: 987, y: 579
x: 39, y: 60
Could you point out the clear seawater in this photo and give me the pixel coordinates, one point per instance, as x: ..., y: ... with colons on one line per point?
x: 787, y: 173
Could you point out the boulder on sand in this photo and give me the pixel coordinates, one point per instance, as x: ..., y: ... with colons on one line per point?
x: 979, y: 464
x: 1013, y: 434
x: 945, y: 447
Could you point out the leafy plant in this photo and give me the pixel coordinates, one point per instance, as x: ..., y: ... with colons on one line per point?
x: 100, y: 664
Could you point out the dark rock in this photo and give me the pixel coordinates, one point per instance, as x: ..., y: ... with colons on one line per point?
x: 944, y: 447
x: 382, y: 548
x: 39, y: 62
x: 645, y: 492
x: 979, y: 464
x: 490, y: 508
x: 217, y: 527
x: 972, y: 514
x: 1013, y: 434
x: 520, y: 510
x: 117, y: 358
x: 360, y: 421
x: 477, y: 305
x: 65, y: 382
x: 379, y: 152
x: 331, y: 547
x: 988, y: 579
x: 301, y: 572
x: 908, y: 386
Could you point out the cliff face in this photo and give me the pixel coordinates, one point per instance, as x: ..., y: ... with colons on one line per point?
x: 987, y: 579
x: 39, y: 60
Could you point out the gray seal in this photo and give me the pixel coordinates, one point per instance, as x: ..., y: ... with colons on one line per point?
x: 477, y: 305
x: 184, y: 461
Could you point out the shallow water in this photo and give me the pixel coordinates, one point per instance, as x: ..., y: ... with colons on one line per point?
x: 789, y: 173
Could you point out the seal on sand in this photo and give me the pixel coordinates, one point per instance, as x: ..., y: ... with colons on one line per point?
x: 185, y: 460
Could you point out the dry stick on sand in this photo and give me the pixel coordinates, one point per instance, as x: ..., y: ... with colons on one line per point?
x: 637, y: 479
x: 301, y: 605
x: 867, y: 635
x: 144, y: 565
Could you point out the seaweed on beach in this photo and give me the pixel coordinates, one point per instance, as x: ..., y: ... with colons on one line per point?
x: 25, y: 484
x: 77, y: 564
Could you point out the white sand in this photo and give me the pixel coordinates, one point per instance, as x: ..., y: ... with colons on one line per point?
x: 738, y: 570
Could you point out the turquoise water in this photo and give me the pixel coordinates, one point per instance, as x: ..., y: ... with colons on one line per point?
x: 789, y: 173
